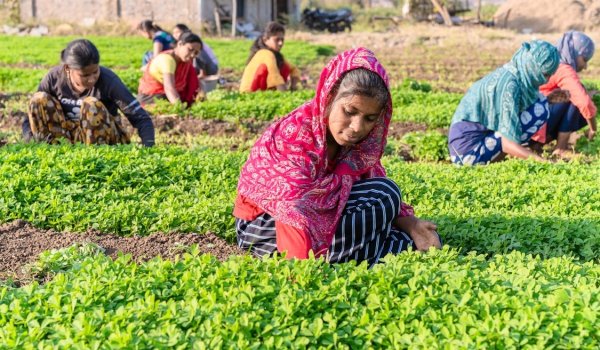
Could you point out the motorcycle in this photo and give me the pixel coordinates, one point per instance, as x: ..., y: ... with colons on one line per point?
x: 334, y: 21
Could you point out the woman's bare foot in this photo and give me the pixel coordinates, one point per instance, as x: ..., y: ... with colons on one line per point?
x: 590, y: 134
x: 564, y: 154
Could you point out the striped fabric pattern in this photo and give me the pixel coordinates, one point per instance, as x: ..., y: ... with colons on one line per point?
x: 365, y: 230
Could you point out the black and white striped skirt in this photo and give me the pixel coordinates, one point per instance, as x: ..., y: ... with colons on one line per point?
x: 365, y: 230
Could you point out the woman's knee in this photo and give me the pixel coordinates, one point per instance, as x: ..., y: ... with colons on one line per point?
x: 394, y: 192
x: 389, y: 184
x: 92, y: 101
x: 42, y: 98
x: 387, y: 188
x: 92, y: 106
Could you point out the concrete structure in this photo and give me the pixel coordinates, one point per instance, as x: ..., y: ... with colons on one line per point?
x: 192, y: 12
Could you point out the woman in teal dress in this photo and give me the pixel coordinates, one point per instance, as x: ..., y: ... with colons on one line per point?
x: 500, y: 113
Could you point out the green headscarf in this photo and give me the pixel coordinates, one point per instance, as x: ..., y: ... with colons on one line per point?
x: 497, y: 100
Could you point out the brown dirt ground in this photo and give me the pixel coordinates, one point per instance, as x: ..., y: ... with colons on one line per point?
x: 21, y: 243
x: 450, y: 59
x: 175, y: 126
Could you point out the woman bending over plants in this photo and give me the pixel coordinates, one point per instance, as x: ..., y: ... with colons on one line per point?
x: 575, y: 50
x: 80, y: 100
x: 314, y: 180
x: 161, y: 40
x: 501, y: 112
x: 266, y: 68
x: 206, y: 63
x: 171, y: 74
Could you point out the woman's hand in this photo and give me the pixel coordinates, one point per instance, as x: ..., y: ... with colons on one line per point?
x: 516, y: 150
x: 425, y: 235
x: 591, y: 134
x: 294, y: 84
x: 422, y: 232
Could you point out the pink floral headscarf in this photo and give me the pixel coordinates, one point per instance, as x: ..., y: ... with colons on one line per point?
x: 286, y: 173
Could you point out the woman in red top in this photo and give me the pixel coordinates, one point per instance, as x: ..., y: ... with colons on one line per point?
x: 314, y: 180
x: 266, y: 69
x: 575, y: 49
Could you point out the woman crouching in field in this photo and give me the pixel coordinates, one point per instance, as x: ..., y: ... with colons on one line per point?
x: 171, y: 74
x: 79, y: 100
x: 501, y: 112
x: 206, y: 63
x: 575, y: 50
x: 161, y: 40
x: 314, y: 180
x: 266, y: 68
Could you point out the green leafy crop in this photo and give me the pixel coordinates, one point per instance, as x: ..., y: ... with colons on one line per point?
x: 546, y: 209
x: 25, y: 60
x: 438, y: 300
x: 427, y: 146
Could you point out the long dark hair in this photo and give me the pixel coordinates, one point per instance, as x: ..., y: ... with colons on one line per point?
x: 182, y: 27
x: 149, y: 26
x: 80, y: 53
x: 272, y: 28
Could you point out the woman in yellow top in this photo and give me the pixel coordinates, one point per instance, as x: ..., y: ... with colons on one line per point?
x: 266, y: 68
x: 171, y: 74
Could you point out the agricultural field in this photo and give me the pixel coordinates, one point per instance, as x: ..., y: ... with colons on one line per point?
x: 127, y: 247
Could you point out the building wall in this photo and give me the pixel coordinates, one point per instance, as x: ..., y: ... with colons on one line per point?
x: 258, y: 11
x: 170, y: 11
x: 67, y: 10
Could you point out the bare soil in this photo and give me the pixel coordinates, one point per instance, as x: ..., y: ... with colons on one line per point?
x: 21, y: 243
x: 174, y: 126
x: 546, y: 16
x: 450, y: 59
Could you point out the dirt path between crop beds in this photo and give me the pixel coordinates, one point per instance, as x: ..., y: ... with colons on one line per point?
x: 175, y: 126
x: 179, y: 126
x: 21, y: 243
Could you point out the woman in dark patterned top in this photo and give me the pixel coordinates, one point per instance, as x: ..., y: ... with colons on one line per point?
x: 80, y: 100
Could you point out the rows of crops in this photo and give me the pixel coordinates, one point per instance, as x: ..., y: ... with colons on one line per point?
x: 519, y: 269
x: 549, y: 209
x: 439, y: 300
x: 432, y: 110
x: 447, y: 298
x: 25, y: 60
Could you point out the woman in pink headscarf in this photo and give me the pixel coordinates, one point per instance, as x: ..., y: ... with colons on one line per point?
x: 314, y: 180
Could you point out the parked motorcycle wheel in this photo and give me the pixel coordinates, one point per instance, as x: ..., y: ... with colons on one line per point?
x: 333, y: 28
x: 349, y: 26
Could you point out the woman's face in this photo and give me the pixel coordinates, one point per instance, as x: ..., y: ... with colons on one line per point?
x: 581, y: 63
x: 187, y: 52
x: 275, y: 42
x: 84, y: 78
x: 352, y: 118
x: 177, y: 33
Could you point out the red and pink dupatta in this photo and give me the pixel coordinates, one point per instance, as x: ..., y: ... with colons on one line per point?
x: 286, y: 173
